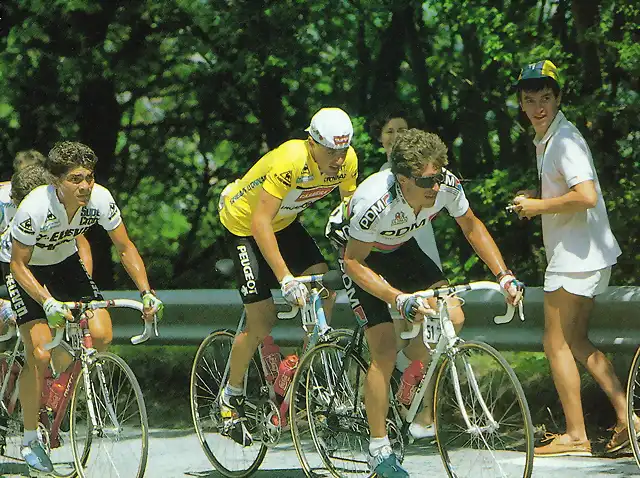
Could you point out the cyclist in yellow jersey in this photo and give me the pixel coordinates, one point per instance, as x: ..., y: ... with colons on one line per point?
x: 269, y: 246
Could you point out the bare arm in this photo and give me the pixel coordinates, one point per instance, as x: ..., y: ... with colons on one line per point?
x: 355, y: 267
x: 262, y: 230
x: 20, y: 257
x: 582, y: 196
x: 84, y: 251
x: 130, y: 257
x: 481, y: 241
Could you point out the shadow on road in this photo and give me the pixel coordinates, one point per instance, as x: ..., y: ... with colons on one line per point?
x: 258, y: 474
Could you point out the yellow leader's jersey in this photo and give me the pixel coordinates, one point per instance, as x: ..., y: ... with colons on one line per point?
x: 290, y: 174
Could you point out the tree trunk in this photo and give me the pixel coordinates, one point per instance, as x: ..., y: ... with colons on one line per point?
x: 587, y: 18
x: 99, y: 123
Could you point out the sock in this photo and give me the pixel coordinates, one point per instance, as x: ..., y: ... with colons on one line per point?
x: 29, y: 436
x: 376, y: 444
x: 402, y: 361
x: 231, y: 391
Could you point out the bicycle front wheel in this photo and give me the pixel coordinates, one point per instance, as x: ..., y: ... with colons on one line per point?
x: 328, y: 421
x: 207, y: 373
x: 633, y: 404
x: 482, y: 420
x: 109, y: 428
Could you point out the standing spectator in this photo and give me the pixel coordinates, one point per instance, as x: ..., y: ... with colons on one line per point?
x: 580, y: 249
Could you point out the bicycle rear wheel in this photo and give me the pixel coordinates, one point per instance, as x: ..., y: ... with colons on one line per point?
x: 117, y: 444
x: 207, y: 373
x: 11, y: 462
x: 496, y: 439
x: 633, y: 404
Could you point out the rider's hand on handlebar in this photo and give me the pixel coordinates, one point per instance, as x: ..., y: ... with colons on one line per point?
x: 151, y: 306
x: 294, y: 292
x: 514, y: 288
x: 413, y: 308
x: 57, y: 313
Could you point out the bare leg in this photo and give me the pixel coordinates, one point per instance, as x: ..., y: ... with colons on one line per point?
x: 597, y: 363
x: 383, y: 359
x: 561, y: 310
x: 260, y: 319
x: 35, y: 335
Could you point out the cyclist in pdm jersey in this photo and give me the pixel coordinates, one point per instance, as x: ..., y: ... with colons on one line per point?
x: 41, y: 268
x: 382, y: 261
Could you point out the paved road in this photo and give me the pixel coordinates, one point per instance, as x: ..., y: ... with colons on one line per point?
x: 177, y: 454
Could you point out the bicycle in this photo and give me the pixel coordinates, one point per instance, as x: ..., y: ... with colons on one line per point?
x: 633, y: 405
x: 479, y: 404
x: 264, y: 421
x: 88, y: 427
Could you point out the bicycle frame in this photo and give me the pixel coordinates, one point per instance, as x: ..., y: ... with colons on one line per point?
x: 446, y: 344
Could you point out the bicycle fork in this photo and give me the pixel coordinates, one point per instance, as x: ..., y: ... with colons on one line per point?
x: 96, y: 423
x: 475, y: 429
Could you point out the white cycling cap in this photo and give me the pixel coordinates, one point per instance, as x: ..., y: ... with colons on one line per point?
x: 331, y: 127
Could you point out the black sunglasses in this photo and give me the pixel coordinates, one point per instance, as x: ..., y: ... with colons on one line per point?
x: 428, y: 182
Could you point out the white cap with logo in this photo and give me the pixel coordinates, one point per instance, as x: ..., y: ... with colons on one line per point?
x: 331, y: 127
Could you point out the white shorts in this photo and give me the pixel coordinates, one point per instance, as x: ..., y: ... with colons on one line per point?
x: 587, y: 284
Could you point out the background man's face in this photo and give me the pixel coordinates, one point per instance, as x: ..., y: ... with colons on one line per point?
x: 540, y: 107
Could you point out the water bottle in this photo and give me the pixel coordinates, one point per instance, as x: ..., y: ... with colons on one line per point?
x: 57, y: 390
x: 411, y: 377
x: 285, y: 374
x: 271, y: 359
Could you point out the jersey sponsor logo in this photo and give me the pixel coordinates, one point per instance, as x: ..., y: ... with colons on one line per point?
x: 113, y: 211
x: 341, y: 140
x: 403, y: 230
x: 50, y: 222
x: 400, y: 218
x: 340, y: 176
x: 285, y: 178
x: 249, y: 287
x: 315, y: 193
x: 252, y: 185
x: 296, y: 207
x: 60, y: 237
x: 375, y: 210
x: 305, y: 176
x: 451, y: 183
x: 26, y: 227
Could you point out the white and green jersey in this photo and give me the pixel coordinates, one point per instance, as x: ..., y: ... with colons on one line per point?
x: 41, y: 221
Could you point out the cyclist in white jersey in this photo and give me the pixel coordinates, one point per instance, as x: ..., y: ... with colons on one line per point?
x: 41, y: 268
x: 376, y: 230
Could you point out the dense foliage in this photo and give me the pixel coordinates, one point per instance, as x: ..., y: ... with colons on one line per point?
x: 178, y: 97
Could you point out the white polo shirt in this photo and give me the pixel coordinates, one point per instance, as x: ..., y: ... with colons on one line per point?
x: 580, y: 241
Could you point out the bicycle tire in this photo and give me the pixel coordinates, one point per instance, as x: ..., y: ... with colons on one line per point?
x: 310, y: 425
x: 633, y: 404
x: 456, y: 440
x: 132, y: 437
x: 204, y: 392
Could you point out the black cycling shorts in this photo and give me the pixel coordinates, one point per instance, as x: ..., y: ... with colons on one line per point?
x: 406, y: 268
x: 66, y: 281
x: 254, y: 277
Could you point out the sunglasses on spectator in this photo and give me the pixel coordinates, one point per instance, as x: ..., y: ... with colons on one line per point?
x: 428, y: 182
